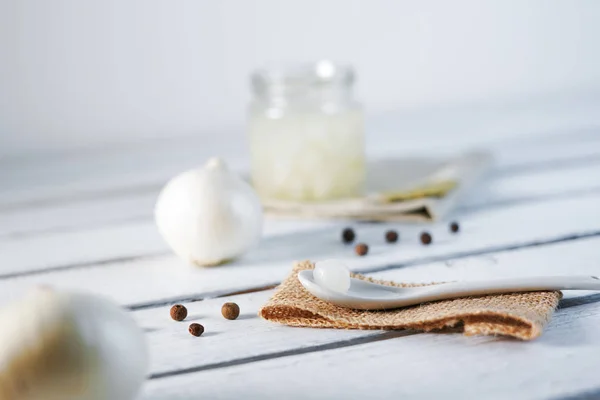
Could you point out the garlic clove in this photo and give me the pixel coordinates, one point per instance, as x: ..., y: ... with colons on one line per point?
x: 332, y: 274
x: 209, y: 215
x: 67, y: 346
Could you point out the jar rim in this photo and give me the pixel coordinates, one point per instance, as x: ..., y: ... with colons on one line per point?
x: 319, y: 74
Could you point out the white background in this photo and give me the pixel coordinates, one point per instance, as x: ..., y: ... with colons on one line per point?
x: 77, y: 73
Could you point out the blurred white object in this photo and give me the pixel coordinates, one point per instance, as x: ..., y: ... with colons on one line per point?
x: 66, y: 346
x: 306, y: 134
x: 209, y: 215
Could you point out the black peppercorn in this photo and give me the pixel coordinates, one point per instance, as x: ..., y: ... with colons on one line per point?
x: 391, y: 236
x: 230, y: 310
x: 196, y: 329
x: 426, y: 238
x: 454, y: 227
x: 361, y: 249
x: 178, y: 312
x: 348, y: 235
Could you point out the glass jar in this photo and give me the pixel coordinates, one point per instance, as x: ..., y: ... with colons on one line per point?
x: 306, y: 134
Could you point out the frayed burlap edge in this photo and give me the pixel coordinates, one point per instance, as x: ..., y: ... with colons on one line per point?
x: 520, y: 315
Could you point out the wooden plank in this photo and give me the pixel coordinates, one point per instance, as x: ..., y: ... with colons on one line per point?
x: 91, y: 245
x: 165, y: 279
x: 499, y: 189
x: 95, y: 173
x: 251, y: 342
x: 126, y: 242
x: 561, y: 362
x: 162, y: 278
x: 261, y: 344
x: 83, y: 247
x: 173, y: 351
x: 89, y: 174
x: 536, y: 185
x: 549, y: 150
x: 73, y: 216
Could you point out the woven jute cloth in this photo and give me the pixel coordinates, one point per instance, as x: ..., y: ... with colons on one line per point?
x: 520, y: 315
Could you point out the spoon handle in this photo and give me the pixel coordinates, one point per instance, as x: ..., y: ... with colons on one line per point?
x: 508, y: 285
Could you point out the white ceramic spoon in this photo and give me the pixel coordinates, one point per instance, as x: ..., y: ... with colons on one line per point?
x: 365, y: 295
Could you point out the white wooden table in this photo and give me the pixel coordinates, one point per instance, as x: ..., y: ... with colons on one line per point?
x: 84, y: 220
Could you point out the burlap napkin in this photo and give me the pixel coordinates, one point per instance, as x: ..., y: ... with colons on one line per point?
x: 521, y: 315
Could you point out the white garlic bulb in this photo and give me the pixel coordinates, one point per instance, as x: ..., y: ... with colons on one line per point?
x: 333, y: 275
x: 209, y: 215
x: 66, y: 346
